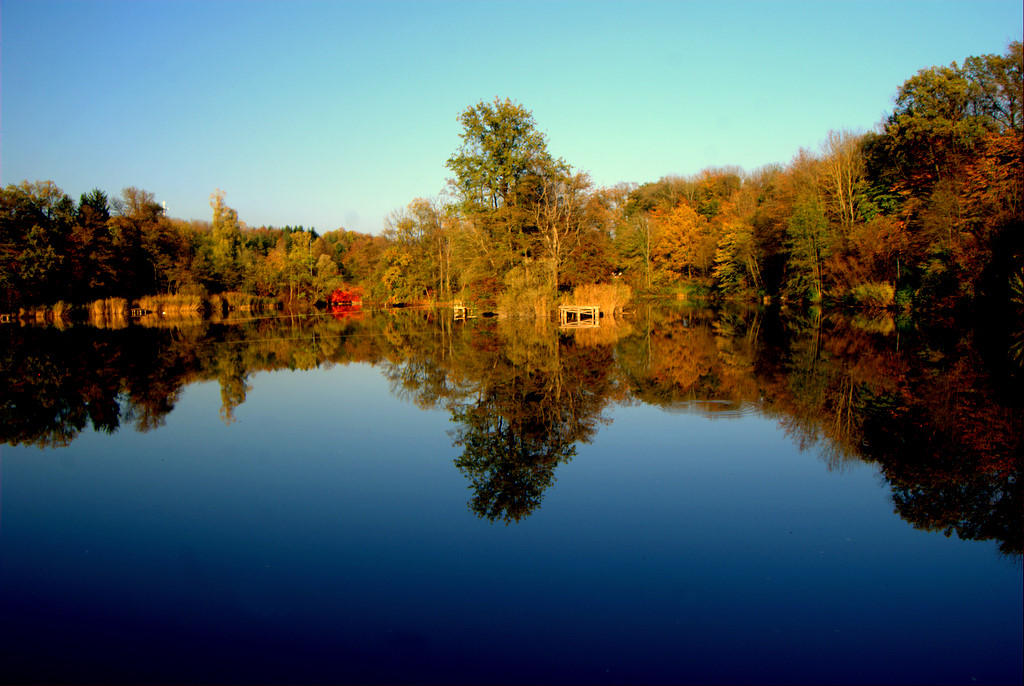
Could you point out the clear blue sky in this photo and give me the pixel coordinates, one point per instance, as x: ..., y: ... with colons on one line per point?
x: 333, y: 114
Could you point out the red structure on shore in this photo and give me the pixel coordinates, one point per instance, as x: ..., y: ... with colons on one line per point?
x: 346, y: 303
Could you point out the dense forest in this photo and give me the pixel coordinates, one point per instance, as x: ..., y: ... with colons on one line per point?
x: 925, y: 212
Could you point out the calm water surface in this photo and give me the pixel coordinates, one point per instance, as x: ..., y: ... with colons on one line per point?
x: 686, y: 497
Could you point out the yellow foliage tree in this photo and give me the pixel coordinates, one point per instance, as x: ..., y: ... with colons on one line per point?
x: 684, y: 242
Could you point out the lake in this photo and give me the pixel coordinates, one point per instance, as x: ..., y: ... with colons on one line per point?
x: 682, y: 495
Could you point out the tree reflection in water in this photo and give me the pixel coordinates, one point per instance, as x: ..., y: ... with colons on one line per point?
x: 946, y: 432
x: 525, y: 418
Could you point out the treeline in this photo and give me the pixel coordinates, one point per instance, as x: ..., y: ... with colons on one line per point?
x: 924, y: 211
x: 53, y: 249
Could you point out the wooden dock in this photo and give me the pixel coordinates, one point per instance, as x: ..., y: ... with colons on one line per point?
x: 578, y: 316
x: 462, y: 312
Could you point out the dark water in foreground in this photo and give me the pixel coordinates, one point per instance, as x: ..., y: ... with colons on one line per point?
x: 685, y: 497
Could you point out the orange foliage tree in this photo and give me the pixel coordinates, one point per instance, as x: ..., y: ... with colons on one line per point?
x: 684, y: 243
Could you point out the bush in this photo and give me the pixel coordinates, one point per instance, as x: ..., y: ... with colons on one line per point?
x: 181, y: 319
x: 1017, y: 288
x: 874, y: 295
x: 527, y: 293
x: 482, y: 293
x: 172, y: 305
x: 194, y: 289
x: 694, y: 291
x: 224, y: 304
x: 61, y: 314
x: 241, y: 301
x: 609, y: 297
x: 109, y: 313
x: 609, y: 333
x: 904, y: 298
x: 880, y: 324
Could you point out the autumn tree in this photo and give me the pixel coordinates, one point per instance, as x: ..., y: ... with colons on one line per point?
x: 951, y: 151
x: 809, y: 243
x: 842, y: 172
x: 35, y: 218
x: 560, y: 215
x: 501, y: 148
x: 634, y: 245
x: 139, y: 231
x: 226, y: 240
x: 737, y: 268
x: 416, y: 263
x: 684, y: 243
x: 92, y: 256
x: 592, y: 260
x: 712, y: 188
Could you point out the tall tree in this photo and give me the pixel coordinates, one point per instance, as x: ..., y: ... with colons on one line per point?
x: 35, y: 220
x: 809, y: 244
x: 416, y: 264
x: 950, y: 150
x: 843, y: 170
x: 93, y: 268
x: 226, y: 236
x: 501, y: 148
x: 137, y: 219
x: 634, y: 243
x: 560, y: 217
x: 684, y: 242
